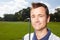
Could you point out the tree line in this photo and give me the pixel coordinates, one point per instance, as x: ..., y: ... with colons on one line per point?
x: 24, y: 15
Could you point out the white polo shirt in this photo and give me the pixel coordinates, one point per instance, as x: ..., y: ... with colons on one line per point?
x: 51, y: 37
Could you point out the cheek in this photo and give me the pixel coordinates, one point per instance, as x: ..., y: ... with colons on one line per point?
x: 43, y: 20
x: 32, y: 20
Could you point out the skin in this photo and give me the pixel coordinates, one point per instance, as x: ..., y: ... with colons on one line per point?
x: 39, y: 21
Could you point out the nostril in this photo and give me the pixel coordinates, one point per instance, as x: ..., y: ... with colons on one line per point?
x: 37, y: 21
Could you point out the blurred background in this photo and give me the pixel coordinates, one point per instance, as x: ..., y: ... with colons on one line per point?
x: 15, y: 14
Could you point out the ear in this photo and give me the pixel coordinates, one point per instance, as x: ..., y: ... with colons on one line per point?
x: 48, y: 19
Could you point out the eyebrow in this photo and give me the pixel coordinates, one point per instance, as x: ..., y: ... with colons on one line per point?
x: 39, y: 14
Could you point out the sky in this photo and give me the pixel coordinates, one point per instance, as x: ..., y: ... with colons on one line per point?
x: 12, y: 6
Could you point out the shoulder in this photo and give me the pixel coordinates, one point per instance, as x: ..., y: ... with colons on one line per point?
x: 26, y: 37
x: 53, y: 37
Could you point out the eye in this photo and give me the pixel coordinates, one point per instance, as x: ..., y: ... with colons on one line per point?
x: 33, y: 16
x: 41, y: 16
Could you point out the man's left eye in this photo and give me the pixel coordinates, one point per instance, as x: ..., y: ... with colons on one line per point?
x: 40, y: 16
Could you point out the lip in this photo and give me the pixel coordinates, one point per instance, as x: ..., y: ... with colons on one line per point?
x: 37, y: 24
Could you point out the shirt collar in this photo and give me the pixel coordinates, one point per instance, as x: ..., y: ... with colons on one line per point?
x: 44, y: 38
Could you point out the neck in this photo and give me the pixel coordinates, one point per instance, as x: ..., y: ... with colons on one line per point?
x: 41, y: 33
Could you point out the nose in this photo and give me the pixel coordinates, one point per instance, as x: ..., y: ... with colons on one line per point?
x: 36, y: 19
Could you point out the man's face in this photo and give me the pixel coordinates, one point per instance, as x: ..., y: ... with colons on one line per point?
x: 39, y: 18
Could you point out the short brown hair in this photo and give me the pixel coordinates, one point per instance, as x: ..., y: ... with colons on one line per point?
x: 36, y: 5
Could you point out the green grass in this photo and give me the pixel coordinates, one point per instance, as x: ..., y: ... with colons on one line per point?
x: 13, y: 30
x: 16, y: 30
x: 55, y: 27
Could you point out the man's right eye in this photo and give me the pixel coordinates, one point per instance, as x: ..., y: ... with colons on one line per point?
x: 33, y: 16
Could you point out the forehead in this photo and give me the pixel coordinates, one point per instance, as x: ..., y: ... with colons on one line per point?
x: 38, y: 10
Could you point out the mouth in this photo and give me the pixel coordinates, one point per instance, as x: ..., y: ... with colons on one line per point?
x: 37, y: 24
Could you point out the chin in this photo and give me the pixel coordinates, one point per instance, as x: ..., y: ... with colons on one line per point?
x: 37, y: 29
